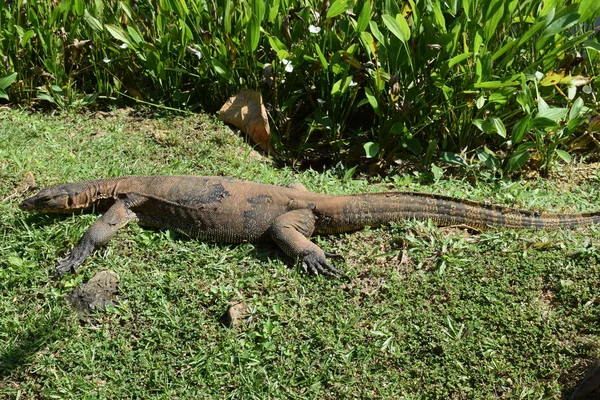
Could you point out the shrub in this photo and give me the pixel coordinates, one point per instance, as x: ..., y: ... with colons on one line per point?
x: 345, y: 79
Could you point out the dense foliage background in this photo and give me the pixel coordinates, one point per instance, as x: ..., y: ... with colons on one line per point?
x: 493, y: 83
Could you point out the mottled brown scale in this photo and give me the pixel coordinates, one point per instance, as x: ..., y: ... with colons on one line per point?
x: 233, y: 211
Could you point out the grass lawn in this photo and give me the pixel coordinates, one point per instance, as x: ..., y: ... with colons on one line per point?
x: 429, y: 313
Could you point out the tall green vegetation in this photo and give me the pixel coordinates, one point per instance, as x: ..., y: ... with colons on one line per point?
x: 499, y: 83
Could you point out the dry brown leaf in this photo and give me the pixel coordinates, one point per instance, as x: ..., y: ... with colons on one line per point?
x: 246, y: 111
x: 23, y: 187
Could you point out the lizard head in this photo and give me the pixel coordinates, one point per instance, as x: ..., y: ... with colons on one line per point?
x: 56, y: 199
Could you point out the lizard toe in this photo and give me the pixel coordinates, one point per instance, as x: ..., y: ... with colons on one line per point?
x: 335, y: 256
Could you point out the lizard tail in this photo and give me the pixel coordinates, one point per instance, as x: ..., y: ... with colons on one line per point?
x: 357, y: 211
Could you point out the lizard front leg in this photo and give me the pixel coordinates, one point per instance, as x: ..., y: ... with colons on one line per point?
x: 101, y: 231
x: 290, y: 231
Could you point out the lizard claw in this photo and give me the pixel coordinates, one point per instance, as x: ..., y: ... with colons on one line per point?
x: 316, y: 264
x: 72, y: 260
x: 335, y: 256
x: 65, y: 265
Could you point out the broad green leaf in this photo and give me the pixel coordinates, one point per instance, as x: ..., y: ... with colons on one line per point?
x: 364, y: 17
x: 438, y: 172
x: 180, y: 7
x: 560, y: 24
x: 258, y: 8
x: 371, y: 149
x: 549, y: 7
x: 416, y: 13
x: 576, y: 122
x: 253, y: 33
x: 519, y: 129
x: 453, y: 158
x: 6, y: 80
x: 372, y: 100
x: 555, y: 114
x: 502, y: 95
x: 135, y: 36
x: 518, y: 160
x: 341, y: 85
x: 3, y: 94
x: 480, y: 102
x: 496, y: 84
x: 58, y: 90
x: 592, y: 44
x: 279, y: 47
x: 277, y: 44
x: 499, y: 126
x: 44, y: 96
x: 376, y: 32
x: 78, y: 6
x: 368, y: 43
x: 92, y: 22
x: 403, y: 26
x: 392, y: 24
x: 542, y: 123
x: 274, y: 10
x: 488, y: 158
x: 492, y: 17
x: 221, y: 68
x: 564, y: 155
x: 438, y: 16
x: 542, y: 105
x: 338, y: 7
x: 576, y: 108
x: 123, y: 6
x: 589, y: 9
x: 459, y: 58
x: 321, y: 56
x: 227, y: 16
x: 390, y: 7
x: 118, y: 33
x: 484, y: 125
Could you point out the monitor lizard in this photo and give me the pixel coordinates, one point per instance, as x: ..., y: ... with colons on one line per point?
x: 230, y: 210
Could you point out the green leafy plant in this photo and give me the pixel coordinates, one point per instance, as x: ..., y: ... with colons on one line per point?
x: 67, y: 98
x: 5, y: 81
x: 364, y: 80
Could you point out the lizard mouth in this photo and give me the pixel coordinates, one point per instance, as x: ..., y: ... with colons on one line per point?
x: 26, y: 205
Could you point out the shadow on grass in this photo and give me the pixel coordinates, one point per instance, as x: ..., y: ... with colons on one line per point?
x: 41, y: 332
x: 588, y: 387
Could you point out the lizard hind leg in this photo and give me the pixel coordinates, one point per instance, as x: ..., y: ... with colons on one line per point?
x: 290, y: 231
x: 101, y: 231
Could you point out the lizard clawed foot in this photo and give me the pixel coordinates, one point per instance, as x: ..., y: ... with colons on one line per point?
x: 67, y: 264
x: 73, y: 259
x: 316, y: 264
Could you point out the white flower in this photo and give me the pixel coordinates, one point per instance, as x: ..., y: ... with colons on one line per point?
x: 314, y: 29
x: 288, y: 65
x: 320, y: 101
x: 124, y: 46
x: 106, y: 60
x: 352, y: 83
x: 194, y: 52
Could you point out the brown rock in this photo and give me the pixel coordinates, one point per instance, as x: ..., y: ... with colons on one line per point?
x: 236, y: 314
x: 96, y: 294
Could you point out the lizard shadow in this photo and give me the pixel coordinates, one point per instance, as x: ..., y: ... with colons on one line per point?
x: 265, y: 252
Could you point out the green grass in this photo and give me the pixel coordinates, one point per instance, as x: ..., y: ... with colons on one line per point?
x: 428, y: 314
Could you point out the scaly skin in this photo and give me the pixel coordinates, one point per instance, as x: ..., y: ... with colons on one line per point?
x: 233, y: 211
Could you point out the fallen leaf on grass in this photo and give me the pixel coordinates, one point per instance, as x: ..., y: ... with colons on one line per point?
x: 27, y: 184
x: 246, y: 111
